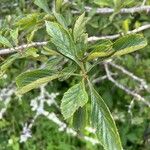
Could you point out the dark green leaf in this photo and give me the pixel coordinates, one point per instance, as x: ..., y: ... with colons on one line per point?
x: 68, y: 71
x: 53, y: 63
x: 103, y: 122
x: 80, y: 119
x: 43, y: 4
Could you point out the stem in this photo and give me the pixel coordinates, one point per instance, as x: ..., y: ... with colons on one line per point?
x: 84, y: 72
x: 74, y: 74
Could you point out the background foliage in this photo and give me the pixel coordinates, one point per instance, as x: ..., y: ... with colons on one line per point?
x: 23, y: 22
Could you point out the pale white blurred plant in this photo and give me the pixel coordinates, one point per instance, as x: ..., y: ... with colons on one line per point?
x: 37, y: 105
x: 5, y: 98
x: 26, y: 133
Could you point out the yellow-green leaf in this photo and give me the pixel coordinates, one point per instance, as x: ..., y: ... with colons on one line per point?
x: 4, y: 41
x: 14, y: 35
x: 33, y: 79
x: 101, y: 49
x: 60, y: 19
x: 74, y: 98
x: 128, y: 44
x: 79, y: 27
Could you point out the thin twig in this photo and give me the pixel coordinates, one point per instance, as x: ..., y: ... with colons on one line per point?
x: 63, y: 127
x: 122, y: 11
x: 115, y: 36
x: 128, y: 91
x: 96, y: 38
x: 99, y: 79
x: 9, y: 6
x: 104, y: 10
x: 130, y: 74
x: 21, y: 47
x: 90, y: 39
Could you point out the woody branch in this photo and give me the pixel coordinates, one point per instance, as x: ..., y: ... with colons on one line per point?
x: 90, y: 39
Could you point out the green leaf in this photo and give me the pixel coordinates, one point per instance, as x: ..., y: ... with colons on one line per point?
x: 80, y: 119
x: 49, y: 50
x: 126, y: 24
x: 60, y: 19
x: 30, y: 76
x: 58, y: 5
x: 68, y: 71
x: 61, y: 39
x: 81, y: 46
x: 33, y: 79
x: 8, y: 62
x: 102, y: 49
x: 29, y: 21
x: 128, y: 44
x: 43, y: 4
x: 74, y: 98
x: 36, y: 84
x: 103, y: 122
x: 80, y: 37
x: 31, y: 35
x: 53, y: 63
x: 108, y: 3
x: 79, y: 27
x: 14, y: 35
x: 5, y: 42
x: 31, y: 52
